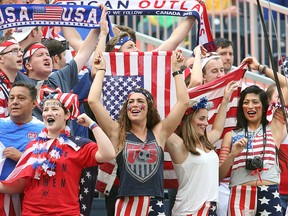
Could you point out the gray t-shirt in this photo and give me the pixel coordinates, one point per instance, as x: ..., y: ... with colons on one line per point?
x: 64, y: 79
x: 270, y: 171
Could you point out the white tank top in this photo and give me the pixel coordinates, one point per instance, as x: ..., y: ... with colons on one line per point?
x: 198, y: 178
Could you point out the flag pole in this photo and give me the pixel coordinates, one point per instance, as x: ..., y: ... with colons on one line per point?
x: 274, y: 69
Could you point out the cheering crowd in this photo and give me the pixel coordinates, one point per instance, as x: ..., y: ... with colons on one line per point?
x: 58, y: 140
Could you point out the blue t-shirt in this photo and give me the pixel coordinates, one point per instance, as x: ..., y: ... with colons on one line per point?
x: 65, y: 78
x: 17, y: 136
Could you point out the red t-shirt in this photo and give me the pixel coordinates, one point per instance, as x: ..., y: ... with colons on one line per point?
x: 58, y: 195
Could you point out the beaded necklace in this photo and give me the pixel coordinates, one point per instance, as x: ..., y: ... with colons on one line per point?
x: 47, y: 158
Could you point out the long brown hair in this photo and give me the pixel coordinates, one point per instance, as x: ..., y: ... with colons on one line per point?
x: 190, y: 136
x: 153, y: 118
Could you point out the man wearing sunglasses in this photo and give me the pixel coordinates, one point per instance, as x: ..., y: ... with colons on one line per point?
x: 10, y: 62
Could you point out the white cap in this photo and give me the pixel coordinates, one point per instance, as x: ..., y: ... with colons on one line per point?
x: 22, y: 32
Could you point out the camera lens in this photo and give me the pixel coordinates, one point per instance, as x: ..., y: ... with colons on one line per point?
x: 256, y: 162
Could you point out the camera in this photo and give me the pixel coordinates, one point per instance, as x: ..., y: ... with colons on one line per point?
x: 254, y: 163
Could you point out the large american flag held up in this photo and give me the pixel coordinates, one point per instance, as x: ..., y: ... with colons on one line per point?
x: 152, y: 71
x: 125, y: 71
x: 49, y: 12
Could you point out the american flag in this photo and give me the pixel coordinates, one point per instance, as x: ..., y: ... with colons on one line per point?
x: 214, y: 91
x: 47, y: 13
x: 150, y: 67
x: 125, y: 71
x: 86, y: 187
x: 255, y: 200
x: 255, y: 147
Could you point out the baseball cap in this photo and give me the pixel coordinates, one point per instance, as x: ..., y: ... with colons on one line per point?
x: 22, y: 32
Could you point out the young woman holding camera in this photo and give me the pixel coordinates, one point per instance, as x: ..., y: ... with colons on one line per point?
x: 251, y: 150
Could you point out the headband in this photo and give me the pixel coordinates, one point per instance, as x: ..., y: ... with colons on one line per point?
x: 32, y: 49
x: 7, y: 43
x: 207, y: 59
x: 142, y: 91
x: 70, y: 102
x: 121, y: 42
x: 203, y: 103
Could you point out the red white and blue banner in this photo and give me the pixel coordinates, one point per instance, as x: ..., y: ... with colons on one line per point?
x: 15, y: 15
x: 87, y: 14
x: 179, y: 8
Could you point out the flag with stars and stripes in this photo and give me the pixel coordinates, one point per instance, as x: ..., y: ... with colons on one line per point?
x: 255, y: 200
x: 127, y: 71
x: 140, y: 205
x: 47, y: 12
x: 214, y: 91
x: 87, y: 189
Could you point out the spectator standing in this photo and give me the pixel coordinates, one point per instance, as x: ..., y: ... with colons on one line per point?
x: 251, y: 151
x: 225, y: 50
x: 147, y: 134
x: 38, y: 64
x: 273, y: 96
x: 125, y: 42
x: 207, y: 67
x: 57, y: 51
x: 193, y: 154
x: 16, y: 131
x: 10, y: 63
x: 54, y: 161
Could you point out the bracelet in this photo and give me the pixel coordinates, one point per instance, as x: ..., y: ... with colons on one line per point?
x: 93, y: 125
x: 177, y: 73
x: 263, y: 69
x: 258, y: 68
x: 102, y: 69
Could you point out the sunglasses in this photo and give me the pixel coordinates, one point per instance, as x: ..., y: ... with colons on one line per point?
x: 14, y: 51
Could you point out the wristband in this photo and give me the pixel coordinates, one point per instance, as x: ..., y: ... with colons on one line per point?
x: 93, y: 125
x: 177, y: 73
x: 102, y: 69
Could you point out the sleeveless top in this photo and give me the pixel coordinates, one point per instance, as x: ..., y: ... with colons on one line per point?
x: 140, y: 167
x: 198, y: 178
x: 270, y: 171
